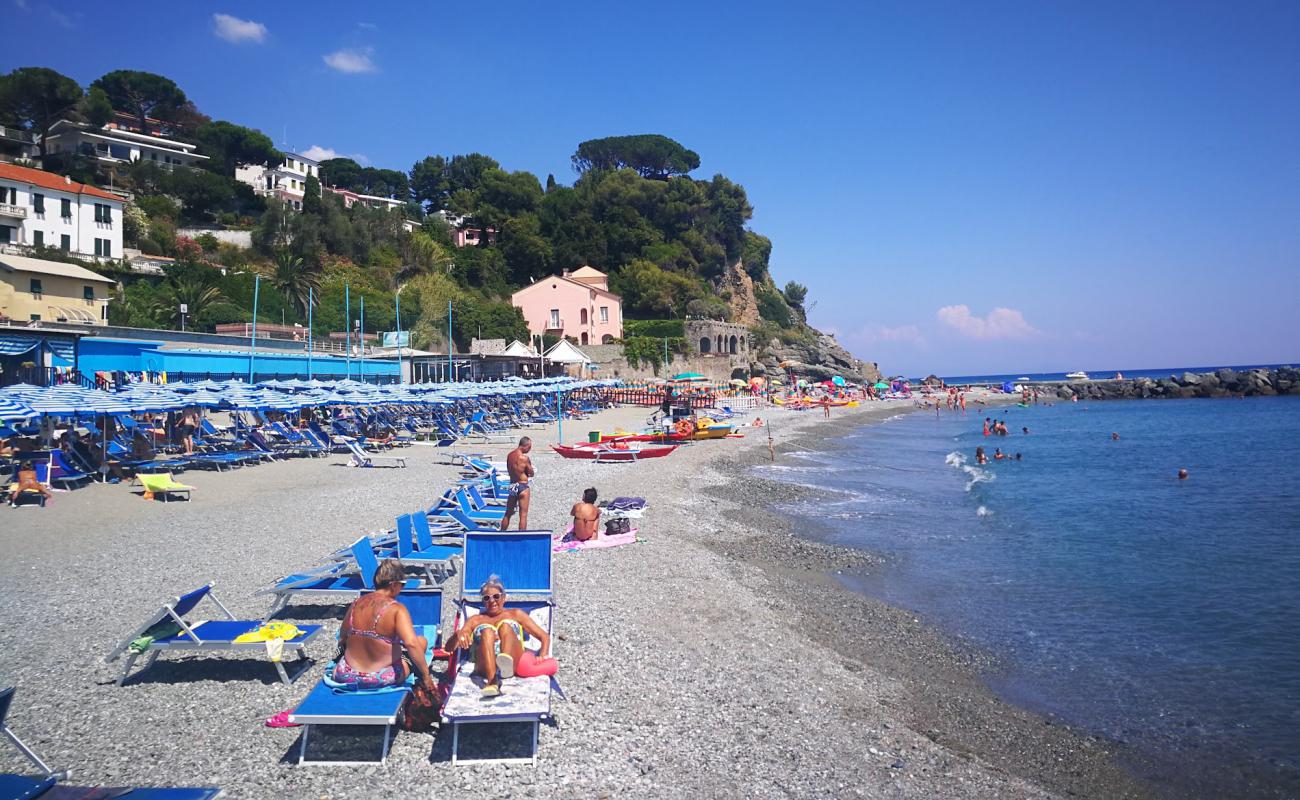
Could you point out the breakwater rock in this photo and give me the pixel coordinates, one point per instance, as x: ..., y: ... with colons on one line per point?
x: 1223, y: 383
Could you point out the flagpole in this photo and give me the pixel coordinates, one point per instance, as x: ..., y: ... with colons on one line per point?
x: 450, y: 371
x: 311, y: 301
x: 252, y: 353
x: 347, y: 332
x: 362, y: 338
x: 397, y: 304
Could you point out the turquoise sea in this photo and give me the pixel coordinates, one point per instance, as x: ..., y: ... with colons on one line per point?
x: 1162, y: 614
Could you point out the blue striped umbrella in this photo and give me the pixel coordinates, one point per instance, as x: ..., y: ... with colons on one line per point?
x: 12, y: 410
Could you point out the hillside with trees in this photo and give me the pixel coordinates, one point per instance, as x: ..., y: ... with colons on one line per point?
x: 673, y: 245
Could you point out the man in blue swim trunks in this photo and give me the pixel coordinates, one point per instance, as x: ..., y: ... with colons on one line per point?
x: 520, y: 467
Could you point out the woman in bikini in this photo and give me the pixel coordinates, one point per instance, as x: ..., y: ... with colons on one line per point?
x: 498, y: 637
x: 374, y: 633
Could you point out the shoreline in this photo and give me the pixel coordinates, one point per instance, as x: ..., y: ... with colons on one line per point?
x: 964, y: 715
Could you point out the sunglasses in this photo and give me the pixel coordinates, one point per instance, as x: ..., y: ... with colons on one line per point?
x: 492, y: 597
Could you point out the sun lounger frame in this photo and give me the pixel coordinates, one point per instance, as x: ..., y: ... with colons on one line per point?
x: 193, y: 641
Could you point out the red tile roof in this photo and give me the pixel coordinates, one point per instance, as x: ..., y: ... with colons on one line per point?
x: 48, y: 180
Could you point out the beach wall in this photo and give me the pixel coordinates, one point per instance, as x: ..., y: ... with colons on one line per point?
x: 1223, y: 383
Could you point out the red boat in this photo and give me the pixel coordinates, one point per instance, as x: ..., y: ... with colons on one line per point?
x: 605, y: 451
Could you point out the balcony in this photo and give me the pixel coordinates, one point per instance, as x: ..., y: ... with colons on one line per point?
x: 16, y: 135
x: 554, y: 324
x: 7, y: 210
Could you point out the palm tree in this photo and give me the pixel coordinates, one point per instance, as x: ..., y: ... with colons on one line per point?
x: 296, y: 279
x: 198, y: 296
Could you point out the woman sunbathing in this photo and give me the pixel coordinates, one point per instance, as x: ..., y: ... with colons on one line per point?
x: 28, y: 482
x: 498, y: 637
x: 374, y: 632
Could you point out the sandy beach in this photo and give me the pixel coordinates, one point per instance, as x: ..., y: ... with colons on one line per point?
x: 717, y: 656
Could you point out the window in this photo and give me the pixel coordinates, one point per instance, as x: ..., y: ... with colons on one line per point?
x: 582, y: 317
x: 104, y: 247
x: 604, y: 313
x: 103, y: 311
x: 35, y: 286
x: 7, y: 234
x: 555, y: 317
x: 103, y: 213
x: 65, y: 208
x: 38, y: 238
x: 38, y: 203
x: 88, y: 292
x: 65, y: 242
x: 34, y: 317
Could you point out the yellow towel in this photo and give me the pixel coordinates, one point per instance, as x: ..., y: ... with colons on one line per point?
x: 269, y: 631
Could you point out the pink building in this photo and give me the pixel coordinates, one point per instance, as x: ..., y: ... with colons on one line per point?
x: 577, y: 304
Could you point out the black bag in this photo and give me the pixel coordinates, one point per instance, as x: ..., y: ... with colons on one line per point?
x: 617, y: 526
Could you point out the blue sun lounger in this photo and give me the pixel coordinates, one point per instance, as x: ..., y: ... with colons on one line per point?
x: 341, y: 581
x: 173, y: 631
x: 324, y: 707
x: 522, y: 559
x: 415, y: 547
x: 47, y: 784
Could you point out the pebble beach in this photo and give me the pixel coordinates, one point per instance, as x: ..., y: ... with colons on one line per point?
x: 716, y: 656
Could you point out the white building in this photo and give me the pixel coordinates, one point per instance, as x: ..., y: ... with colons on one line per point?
x: 288, y: 181
x: 41, y: 209
x: 351, y: 198
x: 112, y: 146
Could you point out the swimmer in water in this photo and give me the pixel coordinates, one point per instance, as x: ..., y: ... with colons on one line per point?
x: 998, y: 455
x: 1017, y: 456
x: 1114, y: 437
x: 980, y: 458
x: 1026, y: 431
x: 1182, y: 474
x: 986, y: 426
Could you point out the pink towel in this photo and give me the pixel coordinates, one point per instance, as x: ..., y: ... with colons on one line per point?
x: 566, y: 544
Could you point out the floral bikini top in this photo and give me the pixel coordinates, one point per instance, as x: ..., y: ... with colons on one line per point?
x: 373, y: 633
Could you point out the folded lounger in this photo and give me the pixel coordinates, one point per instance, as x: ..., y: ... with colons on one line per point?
x: 522, y: 559
x: 203, y: 635
x: 324, y: 706
x: 340, y: 581
x: 360, y: 458
x: 47, y: 786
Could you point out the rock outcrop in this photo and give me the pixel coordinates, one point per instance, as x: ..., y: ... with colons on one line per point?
x: 736, y: 285
x: 1223, y: 383
x: 818, y: 360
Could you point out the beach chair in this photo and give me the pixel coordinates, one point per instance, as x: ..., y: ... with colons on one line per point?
x: 420, y: 551
x: 324, y: 708
x: 360, y: 458
x: 61, y: 472
x: 170, y: 629
x: 340, y: 581
x: 162, y: 484
x: 522, y: 559
x: 47, y: 784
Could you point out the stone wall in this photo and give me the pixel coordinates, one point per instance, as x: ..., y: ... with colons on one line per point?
x: 610, y: 363
x: 240, y: 239
x: 709, y: 337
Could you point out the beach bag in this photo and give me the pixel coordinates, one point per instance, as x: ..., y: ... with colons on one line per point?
x: 419, y: 710
x: 618, y: 526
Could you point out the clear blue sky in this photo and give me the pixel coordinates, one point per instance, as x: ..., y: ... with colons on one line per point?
x: 964, y: 187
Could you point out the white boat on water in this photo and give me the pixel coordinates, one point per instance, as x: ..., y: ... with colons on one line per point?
x: 1077, y: 376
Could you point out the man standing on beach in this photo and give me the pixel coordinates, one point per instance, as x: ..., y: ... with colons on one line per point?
x: 520, y: 467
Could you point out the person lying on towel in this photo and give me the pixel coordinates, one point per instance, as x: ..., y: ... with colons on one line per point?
x: 498, y: 638
x: 375, y: 631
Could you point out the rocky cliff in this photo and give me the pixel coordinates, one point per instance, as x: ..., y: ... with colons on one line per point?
x: 1224, y: 383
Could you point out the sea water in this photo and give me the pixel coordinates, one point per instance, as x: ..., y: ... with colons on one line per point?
x: 1157, y: 612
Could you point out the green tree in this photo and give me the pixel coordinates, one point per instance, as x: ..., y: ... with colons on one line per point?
x: 199, y: 294
x: 795, y: 294
x: 526, y: 251
x: 95, y: 108
x: 756, y: 253
x: 202, y: 194
x: 34, y: 98
x: 650, y: 292
x: 343, y: 173
x: 651, y: 155
x: 311, y: 202
x: 228, y: 146
x: 143, y: 94
x: 295, y: 279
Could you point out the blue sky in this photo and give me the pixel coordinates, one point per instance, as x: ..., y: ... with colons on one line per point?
x: 964, y: 187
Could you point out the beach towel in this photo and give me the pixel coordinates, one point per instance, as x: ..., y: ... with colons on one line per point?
x: 567, y: 543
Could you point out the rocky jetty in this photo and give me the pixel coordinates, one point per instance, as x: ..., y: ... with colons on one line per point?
x: 1223, y: 383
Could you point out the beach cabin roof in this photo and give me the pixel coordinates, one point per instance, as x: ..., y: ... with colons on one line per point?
x: 519, y: 350
x: 565, y: 352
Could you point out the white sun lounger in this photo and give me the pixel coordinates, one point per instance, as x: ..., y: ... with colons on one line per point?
x: 360, y: 458
x: 522, y: 559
